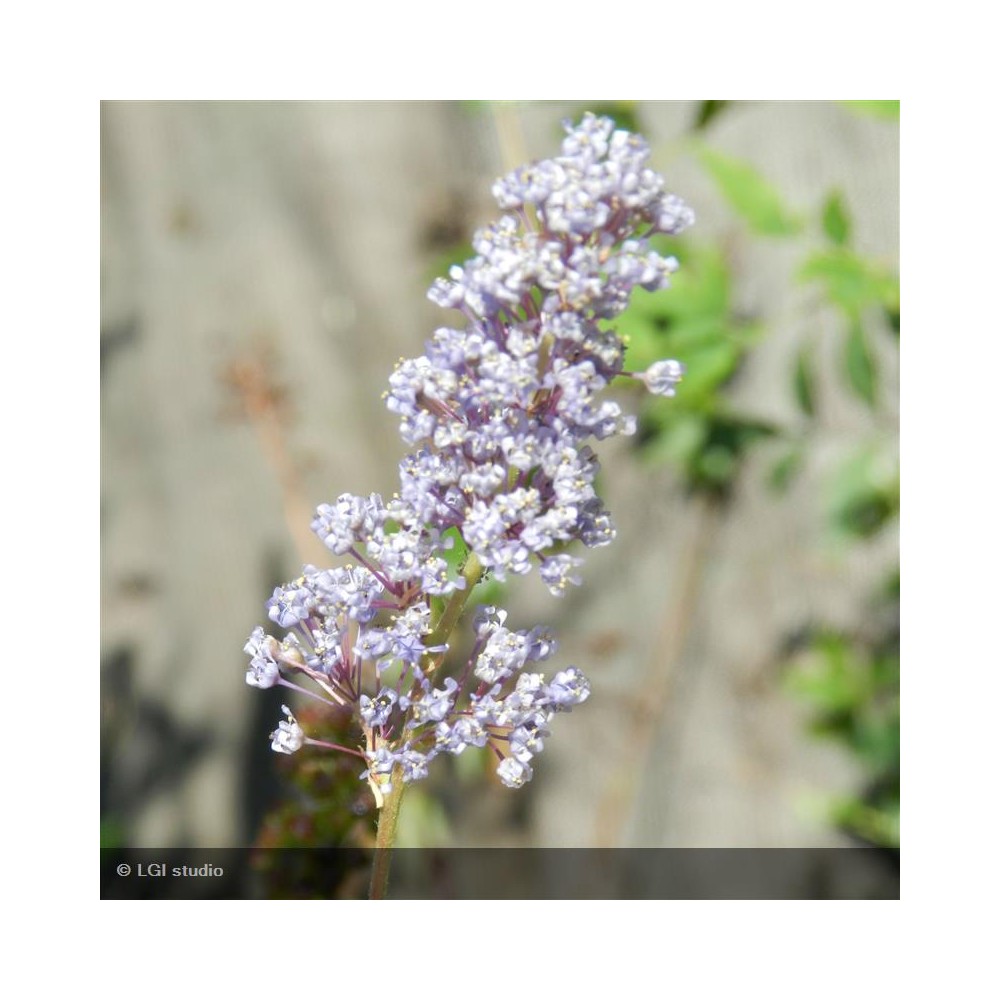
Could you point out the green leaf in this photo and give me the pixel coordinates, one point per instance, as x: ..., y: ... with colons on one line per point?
x: 876, y: 109
x: 644, y: 339
x: 836, y: 221
x: 456, y: 555
x: 716, y: 467
x: 877, y: 732
x: 707, y: 111
x: 707, y: 368
x: 878, y: 825
x: 852, y: 282
x: 647, y: 341
x: 892, y: 316
x: 700, y: 289
x: 691, y: 316
x: 749, y: 194
x: 804, y: 382
x: 112, y: 832
x: 446, y: 257
x: 860, y: 366
x: 828, y: 675
x: 864, y: 494
x: 671, y: 436
x: 784, y: 471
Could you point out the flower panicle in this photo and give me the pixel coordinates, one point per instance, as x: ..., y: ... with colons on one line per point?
x: 500, y: 415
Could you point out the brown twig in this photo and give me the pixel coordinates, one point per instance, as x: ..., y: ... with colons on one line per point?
x: 613, y: 810
x: 264, y: 404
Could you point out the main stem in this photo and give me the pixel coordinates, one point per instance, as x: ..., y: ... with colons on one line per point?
x: 388, y: 817
x: 472, y: 571
x: 385, y: 836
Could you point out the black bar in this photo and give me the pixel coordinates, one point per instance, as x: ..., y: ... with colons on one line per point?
x: 504, y: 873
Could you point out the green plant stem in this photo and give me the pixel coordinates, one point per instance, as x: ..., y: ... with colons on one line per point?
x: 472, y: 571
x: 388, y: 818
x: 385, y: 836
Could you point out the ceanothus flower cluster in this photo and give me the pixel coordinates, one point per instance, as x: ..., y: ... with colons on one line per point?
x: 500, y: 413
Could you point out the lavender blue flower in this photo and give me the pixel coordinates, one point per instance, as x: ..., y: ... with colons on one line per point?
x: 661, y: 377
x: 376, y: 711
x: 288, y: 737
x: 513, y: 772
x: 263, y: 671
x: 499, y: 413
x: 569, y: 687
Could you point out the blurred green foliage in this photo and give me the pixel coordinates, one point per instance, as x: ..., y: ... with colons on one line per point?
x: 707, y: 111
x: 850, y: 681
x: 112, y: 832
x: 854, y: 286
x: 877, y: 109
x: 864, y: 494
x: 851, y: 282
x: 836, y: 223
x: 749, y: 194
x: 693, y: 320
x: 851, y: 685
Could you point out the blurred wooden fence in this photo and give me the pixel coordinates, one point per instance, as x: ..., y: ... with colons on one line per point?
x: 263, y: 266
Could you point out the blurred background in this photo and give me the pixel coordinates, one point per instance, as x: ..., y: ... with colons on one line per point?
x: 263, y: 267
